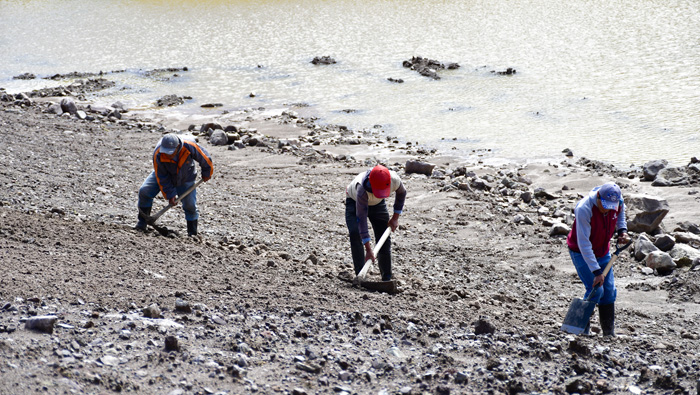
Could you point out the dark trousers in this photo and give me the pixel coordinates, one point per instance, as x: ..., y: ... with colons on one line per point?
x: 378, y: 216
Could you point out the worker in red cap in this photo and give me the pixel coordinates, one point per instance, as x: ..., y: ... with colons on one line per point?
x: 365, y: 200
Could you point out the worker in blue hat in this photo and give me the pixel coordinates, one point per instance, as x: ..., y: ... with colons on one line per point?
x: 174, y: 172
x: 599, y: 216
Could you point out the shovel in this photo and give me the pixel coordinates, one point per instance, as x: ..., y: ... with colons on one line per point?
x: 581, y: 310
x: 390, y: 286
x: 151, y: 219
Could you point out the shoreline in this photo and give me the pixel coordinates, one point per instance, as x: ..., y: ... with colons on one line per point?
x: 484, y: 285
x: 170, y: 116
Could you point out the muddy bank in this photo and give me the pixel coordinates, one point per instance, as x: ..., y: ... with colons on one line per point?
x: 259, y: 304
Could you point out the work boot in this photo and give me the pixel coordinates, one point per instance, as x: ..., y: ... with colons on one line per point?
x: 141, y: 224
x: 192, y: 228
x: 607, y: 319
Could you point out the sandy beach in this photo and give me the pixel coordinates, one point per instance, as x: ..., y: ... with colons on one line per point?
x: 259, y: 303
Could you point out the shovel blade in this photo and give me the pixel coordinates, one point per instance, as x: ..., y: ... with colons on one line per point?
x: 389, y: 287
x: 578, y: 316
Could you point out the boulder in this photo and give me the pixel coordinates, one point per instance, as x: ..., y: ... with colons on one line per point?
x: 684, y: 255
x: 419, y: 167
x: 660, y: 261
x: 687, y: 238
x: 669, y: 176
x: 687, y: 226
x: 643, y: 247
x: 559, y: 229
x: 210, y: 125
x: 218, y: 137
x: 481, y: 184
x: 169, y: 101
x: 651, y: 169
x: 55, y: 108
x: 43, y: 323
x: 645, y: 212
x: 68, y: 105
x: 541, y: 193
x: 665, y: 242
x: 233, y: 137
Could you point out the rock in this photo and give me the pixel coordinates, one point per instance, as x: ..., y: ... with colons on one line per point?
x: 231, y: 129
x: 218, y: 137
x: 687, y: 226
x: 210, y: 125
x: 651, y: 169
x: 395, y: 80
x: 461, y: 378
x: 171, y: 344
x: 481, y: 184
x: 212, y: 105
x: 182, y: 306
x: 559, y: 229
x: 683, y: 255
x: 55, y: 108
x: 81, y: 114
x: 579, y: 386
x: 526, y: 196
x: 508, y: 71
x: 169, y: 101
x: 419, y: 167
x: 568, y: 152
x: 540, y: 193
x: 661, y: 261
x: 672, y: 176
x: 428, y: 67
x: 646, y: 212
x: 152, y: 311
x: 43, y: 323
x: 323, y: 60
x: 25, y: 76
x: 68, y: 105
x: 642, y: 247
x: 308, y: 367
x: 687, y: 238
x: 483, y: 327
x: 665, y: 242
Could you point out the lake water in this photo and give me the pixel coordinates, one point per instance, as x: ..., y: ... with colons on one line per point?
x: 614, y: 81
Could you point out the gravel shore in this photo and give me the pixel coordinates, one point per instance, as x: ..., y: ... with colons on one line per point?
x: 260, y: 303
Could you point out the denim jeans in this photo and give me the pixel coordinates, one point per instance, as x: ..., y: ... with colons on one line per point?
x: 150, y: 189
x: 378, y: 216
x: 603, y: 295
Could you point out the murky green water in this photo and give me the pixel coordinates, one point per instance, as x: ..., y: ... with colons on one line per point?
x: 614, y: 81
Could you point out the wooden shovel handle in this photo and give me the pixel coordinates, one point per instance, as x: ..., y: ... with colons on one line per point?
x: 615, y: 254
x: 177, y: 201
x: 375, y: 251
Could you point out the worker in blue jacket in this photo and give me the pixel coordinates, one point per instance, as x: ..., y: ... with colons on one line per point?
x: 174, y: 172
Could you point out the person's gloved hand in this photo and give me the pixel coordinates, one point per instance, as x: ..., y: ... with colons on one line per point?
x: 172, y: 200
x: 623, y: 238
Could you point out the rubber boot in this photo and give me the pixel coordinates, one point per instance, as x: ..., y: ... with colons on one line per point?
x: 607, y: 319
x: 192, y: 228
x: 141, y: 224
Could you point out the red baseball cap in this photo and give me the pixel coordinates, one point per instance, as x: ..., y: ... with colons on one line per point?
x: 380, y: 180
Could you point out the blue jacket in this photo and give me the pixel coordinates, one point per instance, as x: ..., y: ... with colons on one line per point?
x: 171, y: 174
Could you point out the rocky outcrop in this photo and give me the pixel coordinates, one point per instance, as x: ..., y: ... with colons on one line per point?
x: 170, y: 101
x: 323, y: 60
x: 428, y: 67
